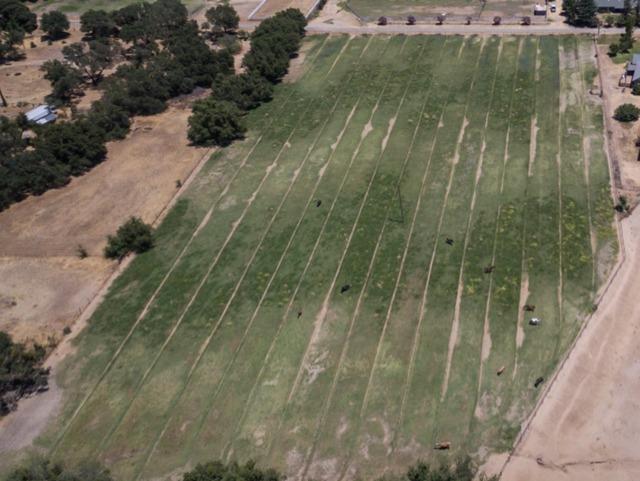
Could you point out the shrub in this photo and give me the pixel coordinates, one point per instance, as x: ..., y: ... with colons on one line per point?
x: 215, y: 122
x: 132, y: 236
x: 411, y: 20
x: 497, y: 20
x: 627, y: 113
x: 613, y: 49
x: 383, y: 21
x: 41, y: 469
x: 635, y: 90
x: 21, y: 372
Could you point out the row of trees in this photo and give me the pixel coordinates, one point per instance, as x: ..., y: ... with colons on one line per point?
x: 162, y: 55
x: 21, y: 372
x: 581, y: 13
x: 41, y: 469
x: 218, y: 119
x: 16, y: 20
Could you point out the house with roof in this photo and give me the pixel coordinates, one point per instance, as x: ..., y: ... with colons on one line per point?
x: 632, y: 70
x: 41, y: 115
x: 614, y: 6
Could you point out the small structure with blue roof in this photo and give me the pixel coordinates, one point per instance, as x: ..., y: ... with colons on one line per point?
x: 41, y: 115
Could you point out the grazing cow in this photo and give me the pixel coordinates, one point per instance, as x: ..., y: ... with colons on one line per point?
x: 449, y: 241
x: 500, y: 371
x: 529, y: 307
x: 489, y: 269
x: 345, y: 288
x: 539, y: 381
x: 443, y: 445
x: 318, y: 203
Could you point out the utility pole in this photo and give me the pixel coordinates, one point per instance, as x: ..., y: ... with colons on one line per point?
x: 4, y: 101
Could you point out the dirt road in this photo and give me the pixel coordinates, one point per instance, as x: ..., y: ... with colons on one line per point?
x: 587, y: 426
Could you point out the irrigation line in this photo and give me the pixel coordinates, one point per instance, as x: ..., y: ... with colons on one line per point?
x: 622, y: 258
x: 415, y: 343
x: 254, y: 315
x: 227, y: 450
x: 329, y: 399
x: 454, y: 334
x: 269, y: 169
x: 324, y: 307
x: 421, y: 192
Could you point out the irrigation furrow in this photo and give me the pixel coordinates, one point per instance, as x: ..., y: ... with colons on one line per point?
x: 227, y: 450
x: 416, y: 337
x: 272, y: 277
x: 212, y: 265
x: 325, y: 304
x: 329, y: 399
x: 205, y: 220
x: 524, y: 277
x: 453, y: 338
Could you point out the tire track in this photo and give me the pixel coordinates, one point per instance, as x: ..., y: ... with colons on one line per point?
x: 560, y: 289
x: 203, y: 281
x: 345, y: 346
x: 272, y: 277
x: 205, y: 220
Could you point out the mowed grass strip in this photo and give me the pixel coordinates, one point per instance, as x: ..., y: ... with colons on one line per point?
x: 162, y: 315
x: 354, y: 176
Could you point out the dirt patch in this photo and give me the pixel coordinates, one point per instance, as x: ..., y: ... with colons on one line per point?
x: 271, y: 7
x: 64, y: 286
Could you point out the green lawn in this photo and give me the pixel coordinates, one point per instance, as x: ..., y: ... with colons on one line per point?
x: 232, y: 337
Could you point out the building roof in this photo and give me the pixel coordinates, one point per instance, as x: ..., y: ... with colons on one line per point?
x: 43, y: 114
x: 634, y: 66
x: 611, y: 4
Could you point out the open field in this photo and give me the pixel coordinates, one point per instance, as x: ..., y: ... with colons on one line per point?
x: 233, y: 337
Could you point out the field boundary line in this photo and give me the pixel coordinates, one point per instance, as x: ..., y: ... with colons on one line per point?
x: 236, y: 224
x: 423, y: 302
x: 227, y: 451
x: 455, y: 325
x: 324, y: 306
x: 421, y: 192
x: 329, y: 399
x: 129, y: 259
x: 250, y: 263
x: 622, y: 258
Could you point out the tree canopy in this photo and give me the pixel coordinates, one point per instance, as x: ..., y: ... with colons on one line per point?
x: 215, y: 122
x: 223, y: 17
x: 55, y: 24
x: 132, y: 236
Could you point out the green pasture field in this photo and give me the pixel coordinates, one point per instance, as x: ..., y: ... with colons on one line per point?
x: 236, y: 336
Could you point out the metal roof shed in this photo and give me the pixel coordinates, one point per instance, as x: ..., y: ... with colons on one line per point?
x: 43, y: 114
